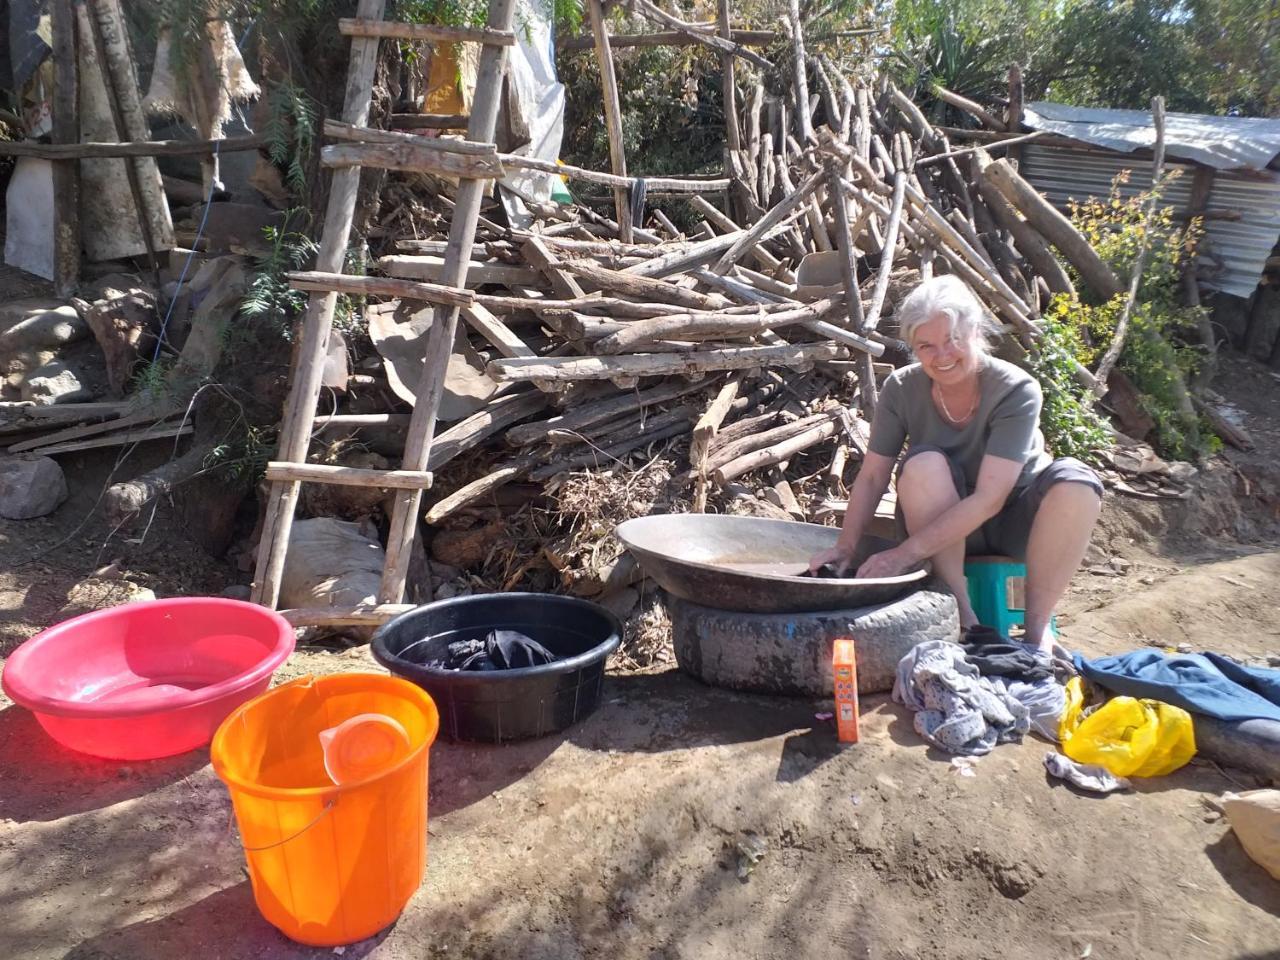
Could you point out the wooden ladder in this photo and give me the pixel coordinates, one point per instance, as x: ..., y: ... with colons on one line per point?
x: 474, y: 162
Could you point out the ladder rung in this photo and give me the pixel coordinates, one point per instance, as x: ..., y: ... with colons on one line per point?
x: 352, y: 27
x: 349, y: 476
x: 381, y: 286
x: 413, y: 158
x: 365, y: 615
x: 337, y: 130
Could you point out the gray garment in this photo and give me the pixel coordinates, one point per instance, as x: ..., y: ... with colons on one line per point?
x: 1009, y: 531
x: 1045, y: 701
x: 1006, y: 423
x: 1086, y: 776
x: 957, y: 709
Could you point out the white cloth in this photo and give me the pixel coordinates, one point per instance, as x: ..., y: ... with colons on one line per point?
x: 1086, y: 776
x: 957, y: 709
x: 1045, y: 701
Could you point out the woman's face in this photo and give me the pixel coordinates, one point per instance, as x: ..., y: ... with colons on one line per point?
x: 946, y: 359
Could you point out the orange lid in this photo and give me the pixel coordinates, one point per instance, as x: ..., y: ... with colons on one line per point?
x: 363, y: 746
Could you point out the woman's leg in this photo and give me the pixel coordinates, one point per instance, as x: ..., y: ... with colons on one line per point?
x: 926, y: 489
x: 1059, y: 538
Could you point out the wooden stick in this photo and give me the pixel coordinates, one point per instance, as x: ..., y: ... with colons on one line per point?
x: 799, y: 75
x: 631, y: 285
x: 121, y: 502
x: 660, y: 364
x: 1026, y: 238
x: 887, y: 252
x: 709, y: 326
x: 315, y: 280
x: 852, y: 292
x: 469, y: 433
x: 1055, y: 228
x: 612, y: 115
x: 429, y: 121
x: 651, y: 12
x: 703, y: 433
x: 765, y: 259
x: 439, y: 346
x: 968, y: 106
x: 436, y: 270
x: 741, y: 446
x: 366, y: 615
x: 1112, y: 354
x: 66, y: 130
x: 349, y: 476
x: 161, y: 432
x: 317, y: 322
x: 697, y: 254
x: 373, y: 27
x: 967, y: 151
x: 660, y: 429
x: 422, y: 157
x: 599, y: 412
x: 769, y: 456
x: 353, y: 133
x: 777, y: 215
x: 669, y: 38
x: 479, y: 488
x: 653, y: 185
x: 89, y: 430
x: 130, y: 148
x: 562, y: 283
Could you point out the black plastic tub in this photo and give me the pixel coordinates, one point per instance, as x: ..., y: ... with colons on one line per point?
x: 502, y: 705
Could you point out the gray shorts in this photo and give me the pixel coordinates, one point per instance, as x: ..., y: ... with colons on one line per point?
x: 1009, y: 530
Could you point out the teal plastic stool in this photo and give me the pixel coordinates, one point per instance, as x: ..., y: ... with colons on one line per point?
x: 997, y: 592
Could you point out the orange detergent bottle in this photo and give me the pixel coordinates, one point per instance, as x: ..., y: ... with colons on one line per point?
x: 845, y: 669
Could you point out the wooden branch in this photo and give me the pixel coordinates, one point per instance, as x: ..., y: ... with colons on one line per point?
x: 356, y: 133
x: 1026, y: 238
x: 435, y: 269
x: 315, y: 280
x: 350, y: 476
x: 495, y: 332
x: 562, y: 283
x: 599, y: 412
x: 497, y: 415
x: 89, y: 430
x: 968, y: 106
x: 647, y: 10
x: 130, y: 148
x: 653, y: 185
x: 852, y: 292
x: 669, y: 38
x: 1112, y: 354
x: 799, y: 75
x: 480, y: 488
x: 612, y: 116
x: 686, y: 257
x: 887, y: 252
x: 709, y: 326
x: 423, y: 157
x: 708, y: 424
x: 646, y: 288
x: 1055, y: 228
x: 739, y: 443
x: 769, y: 456
x: 765, y: 259
x: 366, y: 615
x: 967, y: 151
x: 777, y: 215
x: 121, y: 502
x: 436, y: 33
x: 160, y: 432
x: 66, y: 130
x: 659, y: 429
x: 659, y: 364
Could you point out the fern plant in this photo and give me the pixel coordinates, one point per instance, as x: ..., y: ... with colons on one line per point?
x: 291, y: 133
x: 269, y: 297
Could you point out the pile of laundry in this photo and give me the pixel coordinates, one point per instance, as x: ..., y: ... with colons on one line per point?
x: 1115, y: 717
x: 498, y: 650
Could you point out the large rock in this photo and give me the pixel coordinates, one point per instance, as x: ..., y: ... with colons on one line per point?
x: 37, y: 324
x: 98, y: 593
x: 30, y: 487
x: 55, y: 382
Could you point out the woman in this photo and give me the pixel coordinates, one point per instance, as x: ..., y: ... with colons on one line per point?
x: 976, y: 478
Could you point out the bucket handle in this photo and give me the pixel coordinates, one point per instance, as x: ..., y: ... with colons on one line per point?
x: 329, y: 805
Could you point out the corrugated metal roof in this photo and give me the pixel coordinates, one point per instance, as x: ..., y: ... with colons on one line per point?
x: 1243, y: 245
x: 1225, y: 143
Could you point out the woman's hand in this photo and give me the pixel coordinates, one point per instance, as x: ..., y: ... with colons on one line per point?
x: 838, y: 556
x: 887, y: 563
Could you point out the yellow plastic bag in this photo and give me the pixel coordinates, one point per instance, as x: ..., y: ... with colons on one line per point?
x: 1131, y: 738
x: 1075, y: 706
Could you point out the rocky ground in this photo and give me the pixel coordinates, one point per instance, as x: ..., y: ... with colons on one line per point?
x: 626, y: 836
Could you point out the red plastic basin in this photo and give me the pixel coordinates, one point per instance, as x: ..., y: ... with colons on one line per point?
x: 149, y: 679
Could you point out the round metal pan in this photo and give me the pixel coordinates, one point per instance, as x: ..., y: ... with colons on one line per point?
x: 752, y: 564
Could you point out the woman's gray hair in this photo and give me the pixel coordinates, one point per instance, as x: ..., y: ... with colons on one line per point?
x: 949, y: 297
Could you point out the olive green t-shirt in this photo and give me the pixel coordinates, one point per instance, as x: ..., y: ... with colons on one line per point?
x: 1006, y: 423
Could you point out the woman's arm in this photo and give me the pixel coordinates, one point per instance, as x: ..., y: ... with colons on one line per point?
x: 868, y: 487
x: 996, y: 477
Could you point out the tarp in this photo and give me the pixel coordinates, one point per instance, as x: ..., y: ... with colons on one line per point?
x: 1225, y: 143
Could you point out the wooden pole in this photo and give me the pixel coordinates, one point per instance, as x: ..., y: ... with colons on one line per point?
x: 612, y: 116
x: 439, y: 345
x: 66, y: 130
x: 317, y: 322
x: 799, y: 74
x: 852, y: 293
x: 1108, y: 361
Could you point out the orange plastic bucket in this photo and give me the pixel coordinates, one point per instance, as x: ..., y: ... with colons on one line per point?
x: 329, y: 864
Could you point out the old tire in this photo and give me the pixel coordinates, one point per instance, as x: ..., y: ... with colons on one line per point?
x: 790, y: 653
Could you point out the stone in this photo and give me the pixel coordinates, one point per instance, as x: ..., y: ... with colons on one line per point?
x: 97, y: 593
x: 30, y: 487
x: 237, y: 591
x: 55, y: 382
x: 39, y: 323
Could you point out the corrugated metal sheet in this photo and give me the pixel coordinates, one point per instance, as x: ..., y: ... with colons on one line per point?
x: 1242, y: 246
x: 1225, y: 143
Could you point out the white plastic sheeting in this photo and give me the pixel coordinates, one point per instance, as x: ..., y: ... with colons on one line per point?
x: 1238, y: 249
x: 1225, y: 143
x: 531, y: 66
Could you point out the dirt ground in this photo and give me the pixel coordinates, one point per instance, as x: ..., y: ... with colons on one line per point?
x: 620, y: 838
